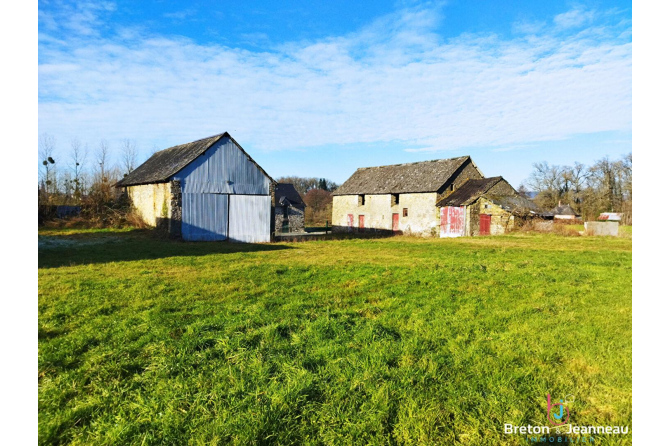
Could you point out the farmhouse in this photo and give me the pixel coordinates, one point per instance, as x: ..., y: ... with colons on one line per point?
x: 289, y: 209
x: 564, y: 212
x: 209, y: 189
x: 400, y: 197
x: 485, y: 206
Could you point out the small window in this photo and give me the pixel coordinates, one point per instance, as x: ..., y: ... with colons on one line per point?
x: 404, y: 212
x: 395, y: 199
x: 486, y: 206
x: 361, y: 200
x: 451, y: 187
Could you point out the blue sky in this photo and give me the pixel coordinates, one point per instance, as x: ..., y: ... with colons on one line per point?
x: 321, y: 88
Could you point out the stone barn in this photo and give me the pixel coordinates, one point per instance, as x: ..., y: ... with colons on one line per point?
x: 289, y: 209
x: 485, y: 206
x: 399, y: 198
x: 209, y: 189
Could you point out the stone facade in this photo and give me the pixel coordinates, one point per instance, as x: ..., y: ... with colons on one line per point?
x: 502, y: 221
x: 467, y: 172
x: 422, y: 217
x: 151, y: 201
x: 159, y: 205
x: 174, y: 224
x: 295, y: 220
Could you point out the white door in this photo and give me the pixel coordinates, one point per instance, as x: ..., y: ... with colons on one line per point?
x: 249, y: 218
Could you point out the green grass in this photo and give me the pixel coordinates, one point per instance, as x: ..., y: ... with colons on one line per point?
x: 386, y: 341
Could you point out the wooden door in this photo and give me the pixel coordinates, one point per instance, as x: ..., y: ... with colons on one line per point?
x: 484, y: 224
x: 361, y: 223
x: 396, y: 222
x: 452, y: 221
x: 350, y: 222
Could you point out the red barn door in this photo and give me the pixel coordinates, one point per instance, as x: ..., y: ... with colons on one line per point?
x: 484, y: 224
x: 396, y: 222
x: 361, y: 223
x: 350, y: 222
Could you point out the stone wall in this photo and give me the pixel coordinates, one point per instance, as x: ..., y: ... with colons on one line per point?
x: 465, y: 173
x: 296, y: 219
x: 174, y: 225
x: 501, y: 220
x: 159, y: 205
x: 422, y: 218
x: 502, y: 188
x: 152, y: 202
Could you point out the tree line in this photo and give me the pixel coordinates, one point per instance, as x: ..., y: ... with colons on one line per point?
x: 605, y: 186
x: 82, y: 174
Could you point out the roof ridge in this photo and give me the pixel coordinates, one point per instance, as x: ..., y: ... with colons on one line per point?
x: 191, y: 142
x: 415, y: 162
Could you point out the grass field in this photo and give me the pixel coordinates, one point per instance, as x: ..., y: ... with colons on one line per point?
x: 377, y: 341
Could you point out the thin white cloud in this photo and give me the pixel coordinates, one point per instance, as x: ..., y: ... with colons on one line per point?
x: 394, y: 80
x: 575, y: 17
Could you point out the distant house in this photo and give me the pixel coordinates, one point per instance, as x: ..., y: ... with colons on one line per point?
x: 209, y: 189
x: 564, y: 212
x: 401, y: 197
x: 486, y: 206
x: 289, y: 209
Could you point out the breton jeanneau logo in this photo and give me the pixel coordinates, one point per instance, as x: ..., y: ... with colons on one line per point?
x: 561, y: 430
x: 560, y: 416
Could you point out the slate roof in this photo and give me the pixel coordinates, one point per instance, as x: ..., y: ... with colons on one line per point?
x: 286, y: 191
x: 469, y: 192
x: 425, y: 176
x: 164, y: 164
x: 563, y: 210
x: 515, y: 204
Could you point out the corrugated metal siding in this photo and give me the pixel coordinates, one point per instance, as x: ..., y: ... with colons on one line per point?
x: 249, y: 218
x: 204, y: 216
x: 223, y: 169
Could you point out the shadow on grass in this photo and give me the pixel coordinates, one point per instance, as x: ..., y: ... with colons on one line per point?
x: 83, y: 248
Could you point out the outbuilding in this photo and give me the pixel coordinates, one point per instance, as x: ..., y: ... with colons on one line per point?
x: 209, y: 189
x: 485, y: 206
x: 289, y: 209
x: 564, y: 212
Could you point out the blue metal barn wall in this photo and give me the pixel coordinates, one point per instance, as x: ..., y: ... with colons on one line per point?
x: 223, y: 169
x: 204, y: 216
x: 224, y: 183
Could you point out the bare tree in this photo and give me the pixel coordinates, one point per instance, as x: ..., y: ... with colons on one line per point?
x: 549, y: 183
x: 523, y: 191
x: 319, y: 205
x: 102, y: 158
x: 129, y: 155
x: 102, y: 187
x: 606, y: 186
x: 47, y: 145
x: 78, y: 155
